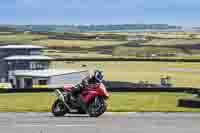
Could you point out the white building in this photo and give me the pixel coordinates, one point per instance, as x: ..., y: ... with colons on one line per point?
x: 24, y: 67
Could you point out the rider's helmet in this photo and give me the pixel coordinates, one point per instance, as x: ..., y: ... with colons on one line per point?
x: 98, y: 76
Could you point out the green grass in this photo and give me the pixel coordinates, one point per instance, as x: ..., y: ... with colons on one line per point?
x: 6, y: 33
x: 21, y: 38
x: 51, y: 43
x: 77, y: 55
x: 118, y: 102
x: 148, y: 102
x: 26, y: 102
x: 147, y: 51
x: 160, y: 42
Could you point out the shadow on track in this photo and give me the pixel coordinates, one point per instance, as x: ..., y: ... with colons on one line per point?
x: 71, y: 116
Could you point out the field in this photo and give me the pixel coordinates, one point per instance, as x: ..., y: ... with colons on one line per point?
x: 21, y: 38
x: 156, y: 44
x: 55, y: 43
x: 148, y: 51
x: 182, y: 74
x: 119, y: 102
x: 173, y: 42
x: 51, y: 43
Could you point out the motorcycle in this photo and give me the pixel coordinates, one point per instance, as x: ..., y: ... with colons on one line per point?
x: 92, y: 101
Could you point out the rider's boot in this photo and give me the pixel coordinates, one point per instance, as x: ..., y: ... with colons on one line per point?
x: 82, y: 103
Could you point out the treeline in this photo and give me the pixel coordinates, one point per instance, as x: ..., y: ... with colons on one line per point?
x: 126, y: 27
x: 7, y: 29
x: 85, y: 28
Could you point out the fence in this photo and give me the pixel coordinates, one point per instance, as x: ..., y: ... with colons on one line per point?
x: 159, y: 89
x: 125, y: 59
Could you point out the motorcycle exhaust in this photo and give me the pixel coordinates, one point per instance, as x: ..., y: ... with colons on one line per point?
x: 62, y: 98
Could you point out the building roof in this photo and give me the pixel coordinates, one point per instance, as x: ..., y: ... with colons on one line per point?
x: 28, y: 57
x: 21, y: 47
x: 44, y: 73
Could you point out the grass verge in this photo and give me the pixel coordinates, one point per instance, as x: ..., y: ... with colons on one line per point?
x: 119, y: 102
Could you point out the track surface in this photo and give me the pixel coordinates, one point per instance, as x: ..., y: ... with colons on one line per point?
x: 108, y: 123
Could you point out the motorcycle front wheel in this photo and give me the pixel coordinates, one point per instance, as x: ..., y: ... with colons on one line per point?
x: 58, y: 108
x: 97, y: 107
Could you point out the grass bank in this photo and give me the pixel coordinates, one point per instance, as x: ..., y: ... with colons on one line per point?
x: 119, y: 102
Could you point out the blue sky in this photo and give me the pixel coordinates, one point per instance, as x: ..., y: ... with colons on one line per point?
x: 177, y: 12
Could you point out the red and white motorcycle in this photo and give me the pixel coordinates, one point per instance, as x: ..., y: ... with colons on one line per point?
x: 93, y: 97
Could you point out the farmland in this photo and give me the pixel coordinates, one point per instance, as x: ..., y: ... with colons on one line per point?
x: 20, y: 38
x: 156, y: 44
x: 51, y: 43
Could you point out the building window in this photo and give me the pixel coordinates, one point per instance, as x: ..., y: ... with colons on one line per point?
x: 42, y: 82
x: 18, y: 65
x: 35, y: 52
x: 3, y: 80
x: 38, y: 65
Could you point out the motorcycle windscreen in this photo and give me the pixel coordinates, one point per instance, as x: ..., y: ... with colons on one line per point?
x: 67, y: 87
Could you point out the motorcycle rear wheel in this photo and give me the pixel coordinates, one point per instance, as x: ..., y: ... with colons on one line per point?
x: 58, y: 109
x: 97, y: 107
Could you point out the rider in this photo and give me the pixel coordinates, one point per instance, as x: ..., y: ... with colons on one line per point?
x: 76, y: 91
x: 96, y: 78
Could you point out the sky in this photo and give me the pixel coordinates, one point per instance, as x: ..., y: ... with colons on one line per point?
x: 60, y: 12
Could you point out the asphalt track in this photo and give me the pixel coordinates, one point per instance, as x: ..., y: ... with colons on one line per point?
x: 108, y: 123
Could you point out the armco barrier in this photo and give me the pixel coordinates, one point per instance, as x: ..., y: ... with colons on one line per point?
x: 125, y: 59
x: 189, y: 103
x: 28, y: 90
x: 158, y: 89
x: 175, y: 89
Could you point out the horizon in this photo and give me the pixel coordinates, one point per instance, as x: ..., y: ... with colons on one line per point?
x: 92, y: 24
x: 100, y: 12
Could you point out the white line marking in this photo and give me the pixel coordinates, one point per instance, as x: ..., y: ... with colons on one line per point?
x: 29, y: 125
x: 46, y: 125
x: 74, y: 125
